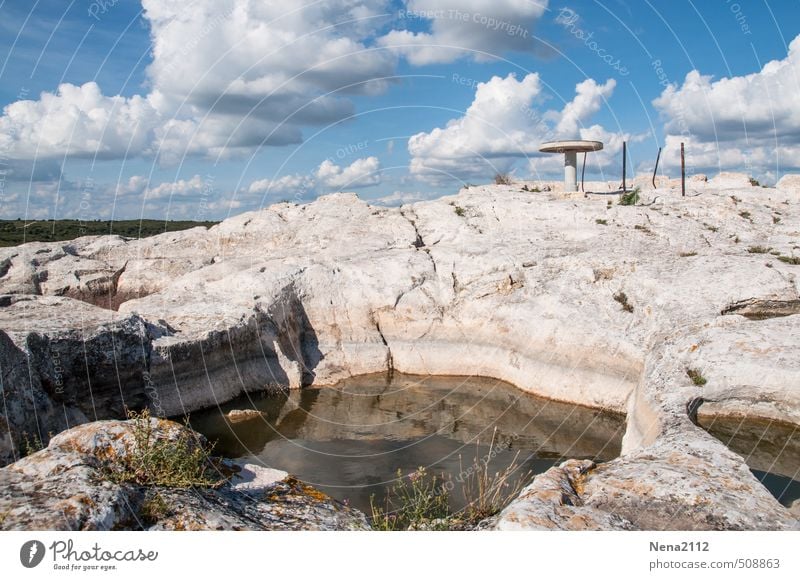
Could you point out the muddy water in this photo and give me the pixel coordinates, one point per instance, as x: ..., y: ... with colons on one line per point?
x: 350, y: 440
x: 770, y: 448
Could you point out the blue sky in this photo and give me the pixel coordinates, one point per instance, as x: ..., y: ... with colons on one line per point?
x: 197, y: 109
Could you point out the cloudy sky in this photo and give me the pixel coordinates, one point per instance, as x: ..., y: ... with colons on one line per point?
x: 198, y: 109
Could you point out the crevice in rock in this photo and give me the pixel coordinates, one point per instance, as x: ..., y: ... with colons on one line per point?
x: 419, y: 242
x: 389, y: 357
x: 759, y: 309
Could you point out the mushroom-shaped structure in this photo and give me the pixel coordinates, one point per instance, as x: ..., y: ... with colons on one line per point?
x: 570, y: 149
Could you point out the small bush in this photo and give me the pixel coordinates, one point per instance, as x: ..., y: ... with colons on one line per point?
x: 687, y: 254
x: 182, y: 462
x: 754, y: 182
x: 601, y: 222
x: 502, y: 179
x: 697, y: 378
x: 622, y: 298
x: 630, y: 198
x: 459, y: 211
x: 794, y: 261
x: 745, y: 215
x: 417, y: 499
x: 154, y: 508
x: 776, y: 219
x: 758, y: 250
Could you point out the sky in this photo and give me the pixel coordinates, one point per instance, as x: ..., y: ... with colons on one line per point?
x: 201, y: 109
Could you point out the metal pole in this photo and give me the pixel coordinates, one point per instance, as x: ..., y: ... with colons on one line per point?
x: 624, y: 165
x: 683, y: 173
x: 658, y: 158
x: 583, y: 171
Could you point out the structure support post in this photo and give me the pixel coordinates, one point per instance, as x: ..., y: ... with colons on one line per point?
x: 571, y: 171
x: 683, y: 173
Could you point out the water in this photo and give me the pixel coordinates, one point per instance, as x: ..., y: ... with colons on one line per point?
x: 351, y: 439
x: 770, y: 448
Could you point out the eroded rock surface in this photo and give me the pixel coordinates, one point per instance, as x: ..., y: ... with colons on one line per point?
x: 576, y: 299
x: 66, y: 487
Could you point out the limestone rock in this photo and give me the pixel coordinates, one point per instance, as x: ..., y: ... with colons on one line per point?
x: 65, y: 487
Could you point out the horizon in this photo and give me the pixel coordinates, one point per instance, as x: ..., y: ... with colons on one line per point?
x: 152, y: 111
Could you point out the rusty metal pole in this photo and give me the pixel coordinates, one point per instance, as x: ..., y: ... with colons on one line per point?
x: 655, y: 171
x: 683, y: 173
x: 624, y: 165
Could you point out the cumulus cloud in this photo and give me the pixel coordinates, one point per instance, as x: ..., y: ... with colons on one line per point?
x: 481, y: 29
x: 749, y: 122
x: 328, y: 177
x: 77, y: 121
x: 225, y: 76
x: 503, y: 124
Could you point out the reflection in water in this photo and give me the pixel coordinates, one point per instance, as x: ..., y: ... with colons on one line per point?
x: 770, y: 448
x: 350, y: 440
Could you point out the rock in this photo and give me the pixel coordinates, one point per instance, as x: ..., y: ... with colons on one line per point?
x: 514, y: 286
x: 790, y: 183
x: 239, y: 415
x: 66, y: 487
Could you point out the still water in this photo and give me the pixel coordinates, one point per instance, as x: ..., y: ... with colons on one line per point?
x: 350, y: 440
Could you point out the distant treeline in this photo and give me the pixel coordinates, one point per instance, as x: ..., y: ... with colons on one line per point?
x: 15, y: 232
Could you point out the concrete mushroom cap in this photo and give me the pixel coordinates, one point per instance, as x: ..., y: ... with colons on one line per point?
x: 567, y: 146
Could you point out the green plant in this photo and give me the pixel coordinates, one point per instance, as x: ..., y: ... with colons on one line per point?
x: 622, y: 298
x: 179, y: 462
x: 415, y: 500
x: 758, y: 250
x: 794, y: 261
x: 745, y: 215
x: 460, y: 211
x: 601, y: 222
x: 697, y: 378
x: 502, y: 179
x: 154, y: 508
x: 630, y: 198
x: 754, y: 182
x: 31, y: 445
x: 776, y: 219
x: 642, y: 228
x: 487, y: 493
x: 687, y: 254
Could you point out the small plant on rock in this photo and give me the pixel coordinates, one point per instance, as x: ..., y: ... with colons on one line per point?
x: 758, y: 250
x: 601, y: 222
x: 793, y: 260
x: 622, y: 298
x: 630, y: 198
x: 502, y: 179
x: 178, y: 462
x: 419, y: 499
x: 460, y: 211
x: 697, y: 378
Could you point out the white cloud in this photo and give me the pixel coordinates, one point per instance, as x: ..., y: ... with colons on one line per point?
x: 361, y: 173
x: 747, y: 123
x: 482, y: 29
x: 328, y: 176
x: 502, y: 125
x: 225, y: 76
x: 77, y: 121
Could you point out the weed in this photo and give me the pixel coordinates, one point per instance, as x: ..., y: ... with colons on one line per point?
x: 622, y: 298
x: 31, y: 445
x: 459, y: 211
x: 687, y: 254
x: 746, y: 215
x: 758, y: 250
x: 416, y: 499
x: 697, y: 378
x: 630, y: 198
x: 181, y: 462
x: 642, y: 228
x: 794, y: 261
x: 601, y: 222
x: 776, y: 219
x: 754, y: 182
x: 502, y: 179
x: 154, y: 508
x: 711, y: 228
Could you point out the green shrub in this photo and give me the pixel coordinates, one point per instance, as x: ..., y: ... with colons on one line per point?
x: 460, y: 211
x: 601, y: 222
x: 502, y: 179
x: 622, y: 298
x: 697, y: 378
x: 794, y: 261
x: 181, y: 462
x: 758, y: 250
x: 630, y: 198
x: 417, y: 499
